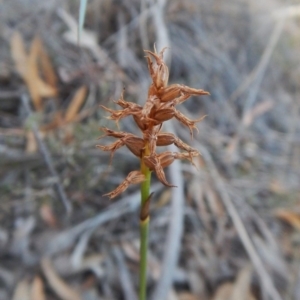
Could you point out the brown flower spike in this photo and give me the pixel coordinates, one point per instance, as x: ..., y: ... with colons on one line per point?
x: 159, y: 107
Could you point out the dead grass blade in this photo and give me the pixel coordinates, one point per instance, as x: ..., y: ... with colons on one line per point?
x: 75, y: 104
x: 60, y: 287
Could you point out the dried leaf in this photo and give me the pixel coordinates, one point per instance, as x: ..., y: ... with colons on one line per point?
x: 27, y: 67
x: 37, y: 87
x: 37, y: 289
x: 22, y: 291
x: 19, y: 54
x: 61, y: 288
x: 75, y: 104
x: 289, y: 217
x: 46, y: 65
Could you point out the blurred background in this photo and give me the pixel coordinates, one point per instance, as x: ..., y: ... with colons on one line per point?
x: 230, y: 231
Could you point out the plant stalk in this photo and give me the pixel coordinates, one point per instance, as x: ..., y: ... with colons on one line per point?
x: 144, y: 227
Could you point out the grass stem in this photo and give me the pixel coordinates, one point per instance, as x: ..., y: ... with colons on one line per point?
x: 144, y: 227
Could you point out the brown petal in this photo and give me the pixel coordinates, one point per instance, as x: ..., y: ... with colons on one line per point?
x: 132, y: 178
x: 161, y: 176
x: 159, y: 71
x: 162, y: 115
x: 178, y: 90
x: 112, y: 147
x: 170, y: 93
x: 135, y: 145
x: 141, y: 122
x: 153, y: 163
x: 109, y: 132
x: 117, y: 115
x: 165, y: 139
x: 166, y: 158
x: 186, y: 121
x: 125, y: 104
x: 189, y: 156
x: 132, y: 142
x: 152, y: 102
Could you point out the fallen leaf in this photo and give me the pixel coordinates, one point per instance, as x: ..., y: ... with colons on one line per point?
x: 59, y: 286
x: 46, y: 65
x: 22, y: 291
x: 75, y: 104
x: 37, y: 87
x: 27, y: 67
x: 37, y: 289
x: 289, y: 217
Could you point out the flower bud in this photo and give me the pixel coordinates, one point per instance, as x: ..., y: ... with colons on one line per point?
x: 158, y: 69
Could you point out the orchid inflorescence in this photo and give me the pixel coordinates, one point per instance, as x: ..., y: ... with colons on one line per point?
x: 159, y: 107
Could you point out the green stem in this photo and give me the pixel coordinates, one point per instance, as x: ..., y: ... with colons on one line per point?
x: 144, y: 229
